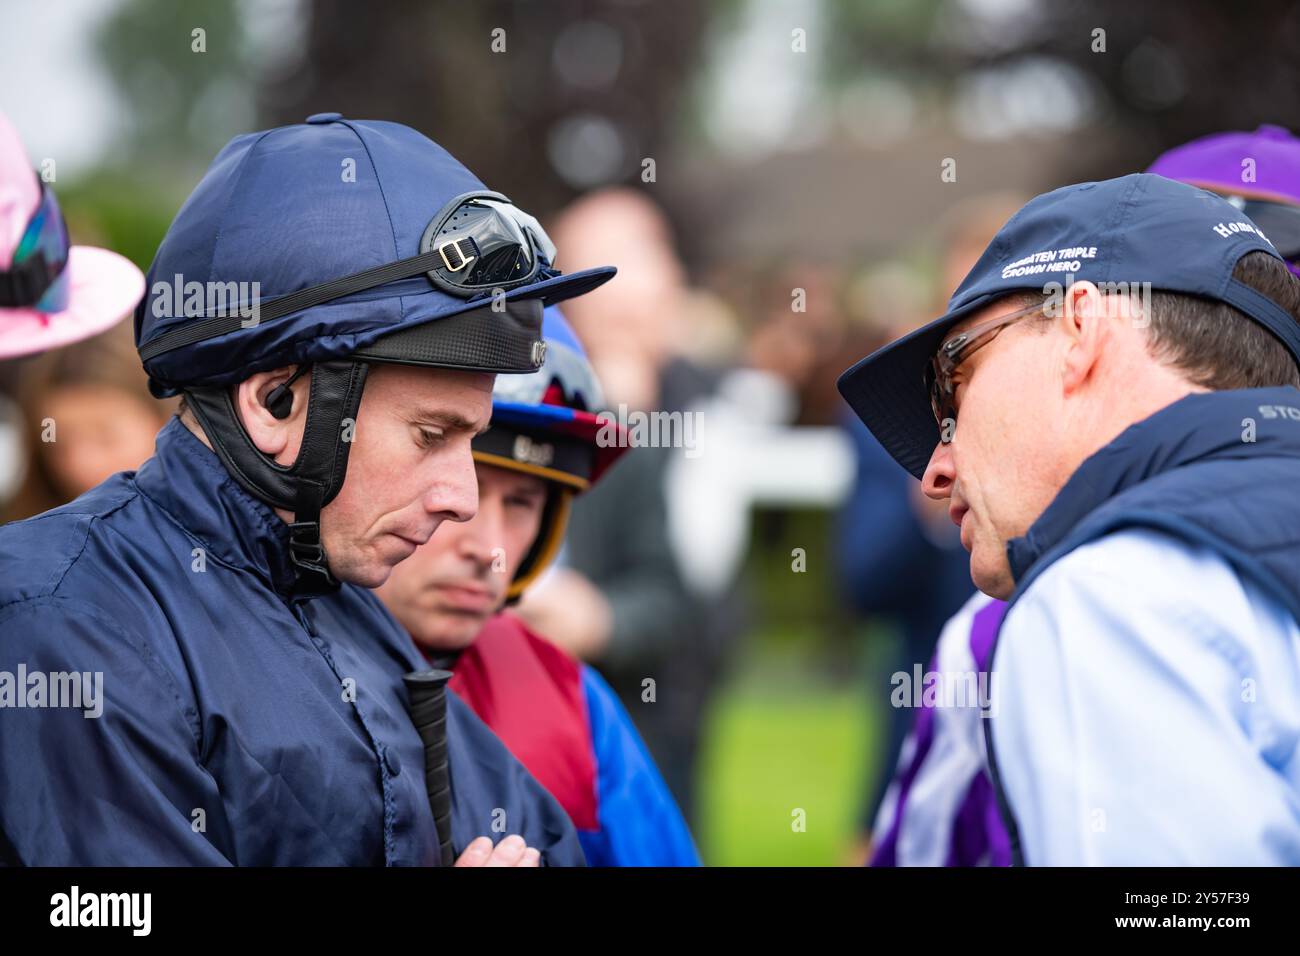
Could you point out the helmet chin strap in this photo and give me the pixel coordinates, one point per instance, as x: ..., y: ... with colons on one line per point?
x: 316, y: 475
x: 555, y: 520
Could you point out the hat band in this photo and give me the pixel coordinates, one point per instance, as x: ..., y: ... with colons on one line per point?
x: 225, y: 322
x: 1266, y: 312
x: 533, y: 451
x: 435, y: 261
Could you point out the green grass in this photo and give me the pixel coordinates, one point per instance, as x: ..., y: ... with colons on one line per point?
x: 771, y: 748
x: 792, y: 728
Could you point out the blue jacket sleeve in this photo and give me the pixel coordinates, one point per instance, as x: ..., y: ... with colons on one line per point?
x: 494, y: 795
x: 640, y: 824
x: 115, y: 781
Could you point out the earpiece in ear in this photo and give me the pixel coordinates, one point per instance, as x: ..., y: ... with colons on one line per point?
x: 279, y: 402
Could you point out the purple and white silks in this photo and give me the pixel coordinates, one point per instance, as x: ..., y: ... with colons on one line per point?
x: 940, y: 808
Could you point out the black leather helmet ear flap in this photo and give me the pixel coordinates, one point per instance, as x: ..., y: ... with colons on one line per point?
x: 315, y: 476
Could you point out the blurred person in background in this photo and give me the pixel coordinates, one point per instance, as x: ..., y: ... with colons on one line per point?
x: 52, y: 294
x: 899, y: 557
x: 619, y: 598
x: 87, y: 414
x: 556, y: 714
x: 1257, y: 172
x: 798, y: 337
x: 941, y: 808
x: 13, y: 456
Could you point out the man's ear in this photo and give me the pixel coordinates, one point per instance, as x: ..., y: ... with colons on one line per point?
x: 276, y: 435
x: 1083, y: 320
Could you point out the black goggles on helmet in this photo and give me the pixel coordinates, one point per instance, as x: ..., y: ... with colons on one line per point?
x: 485, y: 243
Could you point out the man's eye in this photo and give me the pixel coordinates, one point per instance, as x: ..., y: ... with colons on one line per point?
x: 431, y: 439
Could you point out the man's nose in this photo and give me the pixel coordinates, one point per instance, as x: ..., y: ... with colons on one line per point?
x: 483, y: 538
x: 939, y: 473
x: 454, y: 497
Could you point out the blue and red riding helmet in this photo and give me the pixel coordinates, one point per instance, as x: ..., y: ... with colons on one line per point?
x: 547, y: 423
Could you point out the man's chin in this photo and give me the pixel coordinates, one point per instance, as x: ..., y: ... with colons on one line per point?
x: 370, y: 574
x: 991, y: 573
x: 449, y: 633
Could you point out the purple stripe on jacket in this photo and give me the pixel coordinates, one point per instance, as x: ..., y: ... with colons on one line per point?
x: 977, y: 835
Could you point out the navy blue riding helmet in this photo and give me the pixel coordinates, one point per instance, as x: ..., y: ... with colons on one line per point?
x: 330, y: 245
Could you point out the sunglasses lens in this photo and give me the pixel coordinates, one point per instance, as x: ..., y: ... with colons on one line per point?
x: 932, y: 387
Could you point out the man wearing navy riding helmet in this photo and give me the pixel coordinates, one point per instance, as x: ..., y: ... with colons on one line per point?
x: 1111, y: 407
x: 333, y: 301
x: 545, y: 445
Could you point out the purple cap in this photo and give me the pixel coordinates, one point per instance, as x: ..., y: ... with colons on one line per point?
x: 1218, y: 162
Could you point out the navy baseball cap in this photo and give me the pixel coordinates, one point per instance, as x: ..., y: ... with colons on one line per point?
x: 359, y: 235
x: 1140, y: 228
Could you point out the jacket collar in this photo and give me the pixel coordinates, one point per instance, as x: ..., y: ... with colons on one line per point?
x: 1205, y: 425
x: 187, y: 480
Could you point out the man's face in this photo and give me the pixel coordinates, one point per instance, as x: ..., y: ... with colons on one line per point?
x: 1000, y: 471
x: 447, y: 590
x: 102, y: 430
x: 409, y: 468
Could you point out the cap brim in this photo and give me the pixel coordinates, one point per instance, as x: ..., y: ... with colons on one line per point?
x: 567, y: 286
x: 479, y: 339
x: 104, y: 289
x: 887, y: 391
x: 473, y: 339
x: 585, y: 427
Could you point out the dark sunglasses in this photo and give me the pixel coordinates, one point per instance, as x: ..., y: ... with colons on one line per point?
x: 37, y: 277
x: 954, y: 351
x: 484, y: 242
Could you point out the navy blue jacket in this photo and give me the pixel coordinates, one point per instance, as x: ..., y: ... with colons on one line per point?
x: 238, y: 726
x: 1217, y: 469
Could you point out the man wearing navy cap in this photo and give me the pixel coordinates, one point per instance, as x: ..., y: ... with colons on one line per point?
x: 333, y: 302
x: 1111, y: 405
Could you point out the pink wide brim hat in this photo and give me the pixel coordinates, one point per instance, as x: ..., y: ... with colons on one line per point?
x: 103, y: 287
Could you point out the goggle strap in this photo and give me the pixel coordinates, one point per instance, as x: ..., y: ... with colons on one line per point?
x: 225, y: 322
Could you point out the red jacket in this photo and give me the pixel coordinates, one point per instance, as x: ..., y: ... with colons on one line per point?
x: 530, y: 693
